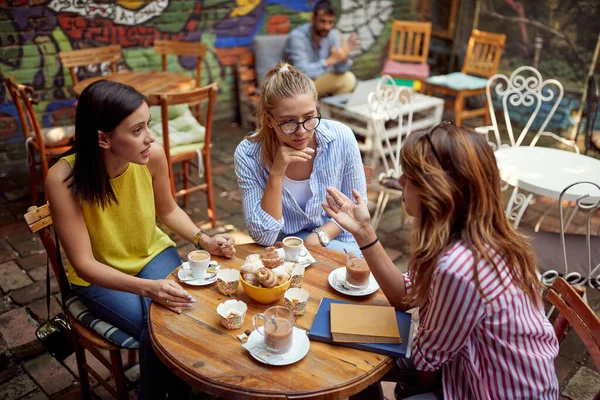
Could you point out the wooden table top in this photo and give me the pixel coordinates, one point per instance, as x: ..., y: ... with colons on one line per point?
x: 146, y: 82
x: 211, y: 358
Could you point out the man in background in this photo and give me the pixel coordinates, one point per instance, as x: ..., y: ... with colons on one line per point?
x: 318, y: 51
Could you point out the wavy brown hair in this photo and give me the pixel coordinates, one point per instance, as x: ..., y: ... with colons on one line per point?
x: 281, y: 82
x: 458, y: 185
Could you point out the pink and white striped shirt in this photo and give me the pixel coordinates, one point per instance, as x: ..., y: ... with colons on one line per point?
x: 502, y: 349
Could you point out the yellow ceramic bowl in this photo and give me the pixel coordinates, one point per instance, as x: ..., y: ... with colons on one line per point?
x: 265, y: 295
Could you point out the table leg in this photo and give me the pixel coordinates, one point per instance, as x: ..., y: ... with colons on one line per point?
x: 438, y: 114
x: 517, y: 205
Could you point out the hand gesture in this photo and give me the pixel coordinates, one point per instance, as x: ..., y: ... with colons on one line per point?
x: 170, y: 295
x: 220, y: 245
x: 339, y: 54
x: 352, y: 216
x: 287, y: 155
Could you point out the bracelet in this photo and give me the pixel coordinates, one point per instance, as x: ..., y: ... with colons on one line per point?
x: 197, y: 239
x: 369, y: 245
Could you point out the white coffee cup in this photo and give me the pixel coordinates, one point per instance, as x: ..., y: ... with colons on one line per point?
x: 293, y: 247
x: 199, y: 261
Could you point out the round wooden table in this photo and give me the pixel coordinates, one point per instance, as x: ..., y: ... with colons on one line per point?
x: 146, y: 82
x: 211, y: 358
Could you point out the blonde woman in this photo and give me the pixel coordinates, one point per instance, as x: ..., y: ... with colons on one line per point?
x: 285, y: 167
x: 471, y: 274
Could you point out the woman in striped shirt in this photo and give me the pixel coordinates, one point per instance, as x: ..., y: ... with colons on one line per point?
x: 285, y: 167
x: 471, y: 274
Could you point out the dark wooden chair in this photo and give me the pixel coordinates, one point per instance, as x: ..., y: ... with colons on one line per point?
x: 46, y: 142
x: 591, y: 142
x: 190, y: 152
x: 39, y: 219
x: 93, y: 56
x: 189, y: 49
x: 575, y: 312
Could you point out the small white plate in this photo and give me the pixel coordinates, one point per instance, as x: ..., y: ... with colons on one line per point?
x: 185, y: 277
x: 337, y: 277
x: 307, y: 259
x: 256, y: 347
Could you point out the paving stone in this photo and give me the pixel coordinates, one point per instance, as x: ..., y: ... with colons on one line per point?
x: 7, y: 253
x: 35, y: 396
x: 5, y: 358
x: 17, y: 329
x: 32, y: 262
x: 17, y: 388
x: 6, y: 217
x: 17, y: 194
x: 39, y: 273
x: 49, y: 374
x: 393, y: 254
x: 402, y: 264
x: 589, y: 362
x: 225, y: 184
x: 391, y: 221
x: 12, y: 277
x: 572, y: 347
x: 33, y: 292
x: 563, y: 367
x: 73, y: 393
x: 583, y: 385
x: 231, y: 207
x: 26, y: 243
x: 3, y: 306
x: 19, y: 226
x: 39, y: 310
x: 71, y: 363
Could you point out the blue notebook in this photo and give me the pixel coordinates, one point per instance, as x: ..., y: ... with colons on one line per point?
x: 321, y: 331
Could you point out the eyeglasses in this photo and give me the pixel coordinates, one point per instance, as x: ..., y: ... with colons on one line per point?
x: 428, y: 136
x: 291, y: 127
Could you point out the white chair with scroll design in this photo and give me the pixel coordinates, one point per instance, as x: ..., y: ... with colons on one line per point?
x: 524, y: 93
x: 389, y: 105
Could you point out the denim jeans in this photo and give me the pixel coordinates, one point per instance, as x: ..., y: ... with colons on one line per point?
x: 337, y: 245
x: 129, y: 312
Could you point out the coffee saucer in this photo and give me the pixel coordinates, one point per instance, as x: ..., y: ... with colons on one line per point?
x: 337, y: 279
x: 306, y: 259
x: 188, y: 279
x: 256, y: 347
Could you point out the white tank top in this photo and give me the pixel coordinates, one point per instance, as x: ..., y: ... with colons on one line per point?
x: 300, y: 190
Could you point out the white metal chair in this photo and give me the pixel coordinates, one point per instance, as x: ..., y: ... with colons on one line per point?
x: 527, y: 94
x: 389, y: 104
x: 573, y: 256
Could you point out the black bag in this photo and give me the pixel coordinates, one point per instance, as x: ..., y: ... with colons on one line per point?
x: 55, y: 333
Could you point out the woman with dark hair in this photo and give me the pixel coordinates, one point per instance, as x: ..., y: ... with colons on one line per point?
x: 472, y: 276
x: 105, y: 195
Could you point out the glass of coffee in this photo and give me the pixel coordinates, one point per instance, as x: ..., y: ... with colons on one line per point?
x: 199, y: 261
x: 278, y: 328
x: 293, y: 247
x: 357, y: 270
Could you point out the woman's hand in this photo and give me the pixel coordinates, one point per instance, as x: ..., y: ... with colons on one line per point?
x: 220, y: 245
x: 352, y: 216
x: 169, y: 294
x: 287, y: 155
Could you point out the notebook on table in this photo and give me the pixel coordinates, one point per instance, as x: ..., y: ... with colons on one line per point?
x: 321, y: 331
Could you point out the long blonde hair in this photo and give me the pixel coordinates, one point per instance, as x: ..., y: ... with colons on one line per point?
x: 281, y: 82
x: 460, y: 200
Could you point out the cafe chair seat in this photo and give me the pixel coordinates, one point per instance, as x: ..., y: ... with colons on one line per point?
x: 57, y: 136
x: 185, y: 132
x: 458, y: 81
x: 406, y: 70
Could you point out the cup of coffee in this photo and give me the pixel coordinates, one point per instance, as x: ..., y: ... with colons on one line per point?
x: 198, y: 262
x: 293, y: 247
x: 278, y: 328
x: 358, y: 273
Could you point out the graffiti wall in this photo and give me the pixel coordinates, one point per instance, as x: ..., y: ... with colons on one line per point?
x: 35, y: 31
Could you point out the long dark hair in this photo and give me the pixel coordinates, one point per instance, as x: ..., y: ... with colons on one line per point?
x: 102, y: 106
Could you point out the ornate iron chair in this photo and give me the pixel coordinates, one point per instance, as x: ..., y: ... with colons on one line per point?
x: 481, y: 61
x: 526, y: 95
x: 409, y: 49
x: 389, y: 104
x: 575, y: 257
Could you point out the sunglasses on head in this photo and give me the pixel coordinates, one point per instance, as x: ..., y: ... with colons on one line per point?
x: 428, y: 136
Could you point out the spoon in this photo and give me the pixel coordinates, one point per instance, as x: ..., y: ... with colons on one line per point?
x: 350, y: 258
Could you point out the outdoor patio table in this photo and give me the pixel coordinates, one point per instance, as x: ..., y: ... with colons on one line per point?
x: 146, y: 82
x: 544, y: 171
x: 203, y: 353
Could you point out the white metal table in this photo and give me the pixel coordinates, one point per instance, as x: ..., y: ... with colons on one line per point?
x: 427, y: 112
x: 546, y: 172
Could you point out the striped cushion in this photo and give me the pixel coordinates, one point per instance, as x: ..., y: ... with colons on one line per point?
x: 110, y: 332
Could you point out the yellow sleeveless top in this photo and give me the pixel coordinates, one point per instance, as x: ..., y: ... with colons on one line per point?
x: 124, y: 235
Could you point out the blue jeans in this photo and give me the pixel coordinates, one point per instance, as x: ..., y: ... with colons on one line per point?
x: 129, y: 312
x: 336, y: 245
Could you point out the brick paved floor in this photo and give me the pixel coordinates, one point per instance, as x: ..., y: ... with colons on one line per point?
x: 27, y: 372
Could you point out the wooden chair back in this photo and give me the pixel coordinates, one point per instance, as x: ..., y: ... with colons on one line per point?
x: 97, y: 55
x: 410, y: 41
x: 575, y: 312
x: 483, y: 53
x: 189, y: 49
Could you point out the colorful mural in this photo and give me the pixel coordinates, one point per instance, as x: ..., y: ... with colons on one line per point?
x: 34, y: 32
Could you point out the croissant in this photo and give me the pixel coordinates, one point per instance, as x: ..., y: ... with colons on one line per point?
x: 271, y: 259
x: 280, y: 276
x: 266, y: 278
x: 252, y: 279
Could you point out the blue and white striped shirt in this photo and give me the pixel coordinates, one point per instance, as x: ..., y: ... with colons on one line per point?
x: 337, y: 163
